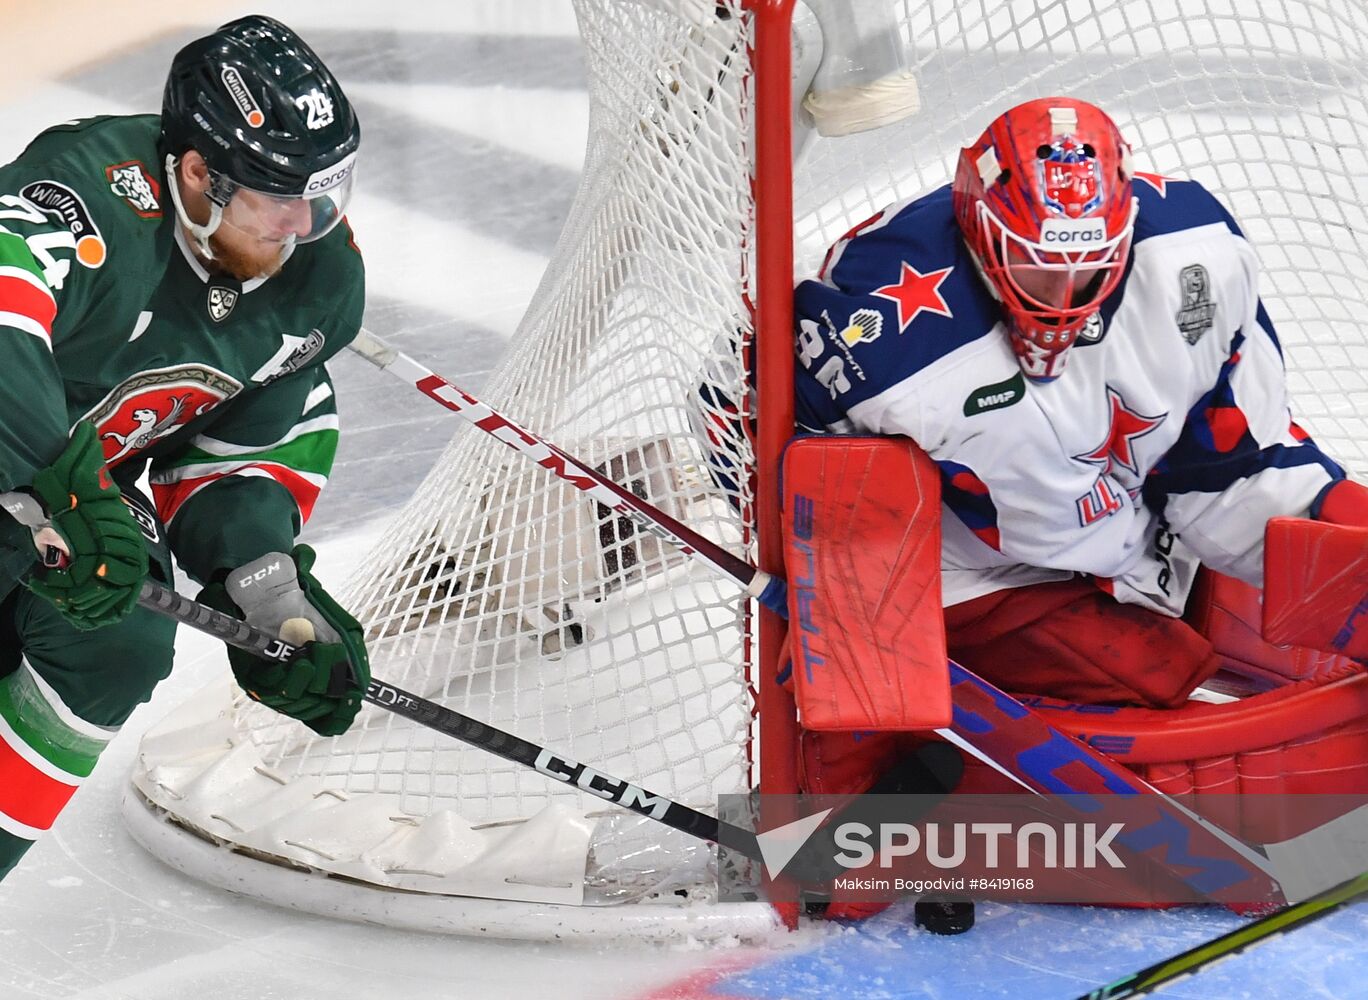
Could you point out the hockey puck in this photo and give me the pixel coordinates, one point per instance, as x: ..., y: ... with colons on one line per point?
x: 945, y: 916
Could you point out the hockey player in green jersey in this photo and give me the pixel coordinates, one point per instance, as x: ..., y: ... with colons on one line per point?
x: 170, y: 288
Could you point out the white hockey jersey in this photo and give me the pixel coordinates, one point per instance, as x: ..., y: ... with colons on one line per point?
x: 1166, y: 441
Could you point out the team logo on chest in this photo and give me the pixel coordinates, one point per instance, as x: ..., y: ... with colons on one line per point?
x: 221, y: 302
x: 1117, y: 451
x: 1125, y: 428
x: 152, y: 404
x: 1196, y: 316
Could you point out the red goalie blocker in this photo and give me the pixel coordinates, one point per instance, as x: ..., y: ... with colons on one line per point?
x: 1316, y: 585
x: 862, y: 555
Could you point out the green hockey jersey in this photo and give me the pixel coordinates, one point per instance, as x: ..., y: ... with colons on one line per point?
x: 107, y: 315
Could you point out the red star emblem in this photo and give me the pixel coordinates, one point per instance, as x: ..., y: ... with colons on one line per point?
x: 915, y: 292
x: 1157, y: 181
x: 1117, y: 448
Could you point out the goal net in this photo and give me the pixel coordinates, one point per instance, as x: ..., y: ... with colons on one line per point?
x: 505, y: 594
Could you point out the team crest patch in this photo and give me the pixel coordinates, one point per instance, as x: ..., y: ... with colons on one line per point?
x: 1196, y: 316
x: 221, y: 302
x: 153, y: 404
x: 1070, y: 178
x: 66, y: 206
x: 135, y: 184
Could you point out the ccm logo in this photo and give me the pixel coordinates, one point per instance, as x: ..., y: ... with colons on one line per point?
x: 259, y: 575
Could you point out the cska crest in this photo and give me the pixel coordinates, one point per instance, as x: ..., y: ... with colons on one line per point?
x: 1070, y: 180
x: 221, y: 302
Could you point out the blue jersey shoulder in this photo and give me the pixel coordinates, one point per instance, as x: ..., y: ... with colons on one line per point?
x: 899, y: 296
x: 1168, y: 205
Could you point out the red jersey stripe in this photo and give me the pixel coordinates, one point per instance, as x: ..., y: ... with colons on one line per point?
x: 170, y: 498
x: 22, y: 297
x: 27, y: 794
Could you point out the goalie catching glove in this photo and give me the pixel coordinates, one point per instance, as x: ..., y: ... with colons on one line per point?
x: 106, y: 556
x: 322, y: 686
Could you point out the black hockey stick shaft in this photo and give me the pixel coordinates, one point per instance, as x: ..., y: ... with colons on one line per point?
x: 444, y: 720
x: 1280, y: 921
x: 767, y: 589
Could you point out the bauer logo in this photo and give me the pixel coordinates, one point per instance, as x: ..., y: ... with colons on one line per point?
x: 1073, y: 234
x: 66, y: 205
x: 242, y: 97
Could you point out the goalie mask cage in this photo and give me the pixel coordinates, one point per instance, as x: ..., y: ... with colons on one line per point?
x: 507, y: 595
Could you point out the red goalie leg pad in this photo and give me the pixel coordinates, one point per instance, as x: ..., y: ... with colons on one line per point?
x: 862, y: 554
x: 1229, y: 613
x: 1316, y: 585
x: 1309, y: 737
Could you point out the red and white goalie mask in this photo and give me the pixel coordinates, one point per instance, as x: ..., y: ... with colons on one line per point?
x: 1044, y: 201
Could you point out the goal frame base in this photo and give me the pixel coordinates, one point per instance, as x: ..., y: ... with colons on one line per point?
x: 289, y: 885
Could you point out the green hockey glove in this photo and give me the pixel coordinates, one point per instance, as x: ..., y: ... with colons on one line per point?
x: 323, y: 685
x: 99, y: 584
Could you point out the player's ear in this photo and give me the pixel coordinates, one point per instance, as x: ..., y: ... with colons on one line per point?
x: 193, y: 172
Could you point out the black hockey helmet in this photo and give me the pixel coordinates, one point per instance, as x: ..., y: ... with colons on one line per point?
x: 261, y: 108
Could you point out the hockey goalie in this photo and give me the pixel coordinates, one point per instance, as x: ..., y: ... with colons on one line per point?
x: 1128, y: 512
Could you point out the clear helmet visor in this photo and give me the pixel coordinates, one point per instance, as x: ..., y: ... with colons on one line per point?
x: 291, y: 219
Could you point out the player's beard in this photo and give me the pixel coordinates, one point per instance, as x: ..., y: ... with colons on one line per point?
x: 246, y: 264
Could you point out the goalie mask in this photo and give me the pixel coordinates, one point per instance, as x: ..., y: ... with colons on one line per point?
x: 1044, y: 201
x: 276, y: 132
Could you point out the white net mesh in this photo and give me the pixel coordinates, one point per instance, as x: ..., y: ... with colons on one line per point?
x: 504, y: 594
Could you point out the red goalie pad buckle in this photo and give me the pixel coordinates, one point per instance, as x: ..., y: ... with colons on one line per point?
x: 862, y: 552
x: 1316, y: 585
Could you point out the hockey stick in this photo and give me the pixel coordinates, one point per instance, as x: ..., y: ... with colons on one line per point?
x: 920, y: 773
x: 765, y: 588
x: 238, y: 633
x: 1289, y: 918
x: 914, y: 773
x: 988, y: 723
